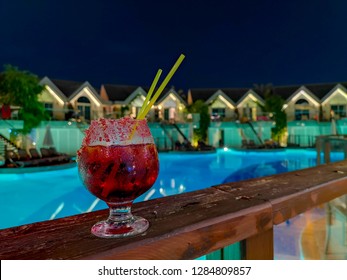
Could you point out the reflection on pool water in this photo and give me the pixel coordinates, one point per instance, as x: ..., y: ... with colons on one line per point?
x: 31, y: 197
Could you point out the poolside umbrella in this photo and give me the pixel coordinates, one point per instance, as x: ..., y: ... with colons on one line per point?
x: 48, y: 140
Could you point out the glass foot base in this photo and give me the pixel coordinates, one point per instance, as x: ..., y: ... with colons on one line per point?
x: 111, y: 229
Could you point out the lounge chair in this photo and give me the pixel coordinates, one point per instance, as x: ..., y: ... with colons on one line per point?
x: 34, y: 153
x: 270, y: 144
x: 45, y: 153
x: 23, y: 155
x: 244, y: 143
x: 202, y: 146
x: 54, y: 152
x: 25, y: 159
x: 48, y: 156
x: 53, y: 156
x: 251, y: 145
x: 11, y: 158
x: 178, y: 145
x: 19, y: 159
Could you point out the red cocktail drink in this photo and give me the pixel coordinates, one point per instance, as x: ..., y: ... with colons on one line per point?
x: 118, y: 174
x: 118, y: 162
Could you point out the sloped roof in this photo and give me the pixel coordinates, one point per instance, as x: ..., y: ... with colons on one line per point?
x: 67, y: 87
x: 235, y: 94
x: 284, y: 91
x: 91, y: 91
x: 45, y: 81
x: 119, y: 92
x: 202, y: 93
x: 166, y: 92
x: 320, y: 90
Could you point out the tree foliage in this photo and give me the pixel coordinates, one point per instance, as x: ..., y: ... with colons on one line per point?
x: 22, y: 88
x: 273, y: 105
x: 201, y: 108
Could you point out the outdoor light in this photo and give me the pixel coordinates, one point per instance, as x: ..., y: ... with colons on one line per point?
x: 225, y: 149
x: 55, y: 95
x: 87, y: 90
x: 226, y: 102
x: 307, y: 96
x: 173, y: 97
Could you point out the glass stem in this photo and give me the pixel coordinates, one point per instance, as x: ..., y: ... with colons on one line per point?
x: 120, y: 213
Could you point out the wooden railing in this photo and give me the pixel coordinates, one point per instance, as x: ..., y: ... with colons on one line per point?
x: 189, y: 225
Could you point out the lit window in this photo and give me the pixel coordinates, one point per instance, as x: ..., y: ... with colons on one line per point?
x: 218, y: 113
x: 339, y: 110
x: 302, y: 110
x: 49, y: 108
x: 302, y: 114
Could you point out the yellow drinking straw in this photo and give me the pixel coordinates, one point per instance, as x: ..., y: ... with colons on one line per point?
x: 147, y: 107
x: 151, y: 89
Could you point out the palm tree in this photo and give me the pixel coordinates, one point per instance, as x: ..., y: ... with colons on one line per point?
x: 22, y: 88
x: 274, y: 106
x: 201, y: 108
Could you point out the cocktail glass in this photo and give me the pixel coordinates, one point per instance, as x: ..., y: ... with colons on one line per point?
x: 118, y: 161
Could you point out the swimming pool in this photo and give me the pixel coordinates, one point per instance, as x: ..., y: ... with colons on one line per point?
x: 32, y: 197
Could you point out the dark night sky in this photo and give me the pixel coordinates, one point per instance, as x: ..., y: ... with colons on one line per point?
x: 226, y: 43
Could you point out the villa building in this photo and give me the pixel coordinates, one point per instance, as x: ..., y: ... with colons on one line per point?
x: 123, y: 100
x: 314, y: 102
x: 229, y: 104
x: 63, y: 99
x: 309, y: 102
x: 170, y: 107
x: 68, y: 99
x: 308, y: 108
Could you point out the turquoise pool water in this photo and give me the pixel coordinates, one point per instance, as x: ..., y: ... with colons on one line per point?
x: 32, y: 197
